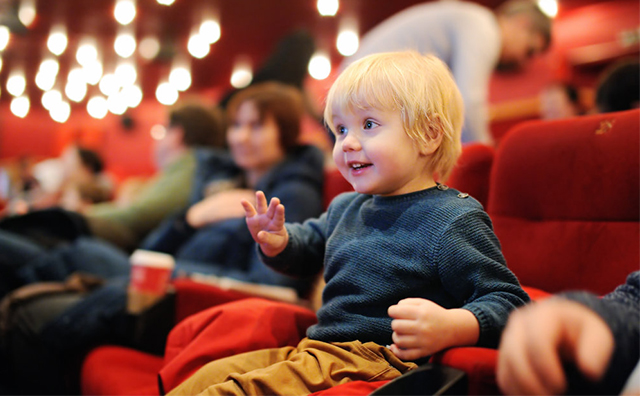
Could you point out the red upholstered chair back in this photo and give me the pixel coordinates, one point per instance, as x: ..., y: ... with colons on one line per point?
x: 471, y: 173
x: 565, y: 201
x: 334, y: 184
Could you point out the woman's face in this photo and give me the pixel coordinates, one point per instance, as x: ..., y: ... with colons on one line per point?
x: 255, y: 145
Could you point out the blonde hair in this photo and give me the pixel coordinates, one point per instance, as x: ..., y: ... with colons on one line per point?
x: 421, y: 87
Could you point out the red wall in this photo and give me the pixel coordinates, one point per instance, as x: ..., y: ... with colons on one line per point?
x: 128, y: 151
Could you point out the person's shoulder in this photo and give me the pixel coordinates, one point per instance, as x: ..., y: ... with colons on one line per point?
x: 207, y: 157
x: 449, y: 203
x: 307, y: 154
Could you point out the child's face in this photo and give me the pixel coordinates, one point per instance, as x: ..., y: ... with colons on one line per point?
x: 375, y: 154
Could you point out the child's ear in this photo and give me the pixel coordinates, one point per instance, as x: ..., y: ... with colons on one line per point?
x: 432, y: 137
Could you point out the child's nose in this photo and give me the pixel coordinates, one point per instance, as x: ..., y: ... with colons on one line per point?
x: 351, y: 143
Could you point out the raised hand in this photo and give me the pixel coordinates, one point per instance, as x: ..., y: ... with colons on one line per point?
x: 266, y: 224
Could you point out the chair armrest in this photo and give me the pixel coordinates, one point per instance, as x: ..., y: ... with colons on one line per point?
x: 478, y: 363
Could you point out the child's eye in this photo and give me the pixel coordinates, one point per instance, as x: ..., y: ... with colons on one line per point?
x: 370, y: 124
x: 341, y: 130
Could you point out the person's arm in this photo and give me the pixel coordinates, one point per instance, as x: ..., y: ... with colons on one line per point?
x: 540, y: 337
x: 166, y: 192
x: 474, y: 55
x: 576, y: 342
x: 219, y: 206
x: 473, y: 270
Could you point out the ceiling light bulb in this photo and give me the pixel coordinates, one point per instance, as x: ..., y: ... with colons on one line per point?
x: 57, y: 41
x: 92, y: 72
x: 49, y: 66
x: 27, y: 12
x: 45, y: 81
x: 180, y: 78
x: 210, y: 31
x: 86, y: 53
x: 116, y: 105
x: 125, y: 45
x: 198, y: 47
x: 166, y: 2
x: 549, y: 7
x: 319, y: 66
x: 126, y: 74
x: 241, y: 76
x: 328, y: 7
x: 76, y: 90
x: 132, y: 95
x: 20, y: 106
x: 4, y: 37
x: 50, y: 98
x: 166, y: 94
x: 97, y: 107
x: 108, y: 84
x: 125, y: 11
x: 16, y: 84
x: 60, y: 111
x: 347, y: 42
x: 149, y: 47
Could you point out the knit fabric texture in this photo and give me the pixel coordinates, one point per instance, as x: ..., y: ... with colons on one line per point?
x: 435, y: 244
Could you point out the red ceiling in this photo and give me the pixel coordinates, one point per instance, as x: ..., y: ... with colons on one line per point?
x: 249, y: 27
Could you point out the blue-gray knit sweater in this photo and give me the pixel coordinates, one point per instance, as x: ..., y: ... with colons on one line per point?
x: 377, y: 250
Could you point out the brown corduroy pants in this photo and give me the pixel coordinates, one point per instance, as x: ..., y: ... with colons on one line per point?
x: 310, y: 367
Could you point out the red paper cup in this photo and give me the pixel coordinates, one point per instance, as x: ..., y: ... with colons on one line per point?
x: 150, y: 276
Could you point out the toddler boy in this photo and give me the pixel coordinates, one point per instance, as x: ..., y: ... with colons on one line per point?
x: 408, y: 262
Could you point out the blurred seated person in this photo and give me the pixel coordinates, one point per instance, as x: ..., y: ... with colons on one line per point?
x: 560, y: 100
x: 78, y: 172
x: 190, y: 125
x: 573, y: 343
x: 619, y: 87
x: 209, y: 237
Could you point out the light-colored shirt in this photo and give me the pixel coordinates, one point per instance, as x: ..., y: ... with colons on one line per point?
x: 464, y: 35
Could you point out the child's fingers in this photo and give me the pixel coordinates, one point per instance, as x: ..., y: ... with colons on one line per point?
x: 249, y: 210
x: 261, y: 202
x: 278, y: 219
x: 403, y: 311
x: 273, y: 205
x: 402, y: 326
x: 266, y: 238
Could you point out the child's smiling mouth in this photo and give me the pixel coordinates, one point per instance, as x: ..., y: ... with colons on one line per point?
x: 358, y: 167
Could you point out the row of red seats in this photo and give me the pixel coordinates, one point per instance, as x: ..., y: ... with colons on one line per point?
x: 564, y: 199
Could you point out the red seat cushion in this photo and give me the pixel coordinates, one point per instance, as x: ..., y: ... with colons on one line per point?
x: 351, y: 388
x: 114, y: 370
x: 230, y: 329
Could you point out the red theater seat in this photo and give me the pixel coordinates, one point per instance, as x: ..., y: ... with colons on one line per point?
x: 105, y: 364
x: 563, y: 196
x: 472, y: 171
x: 564, y: 204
